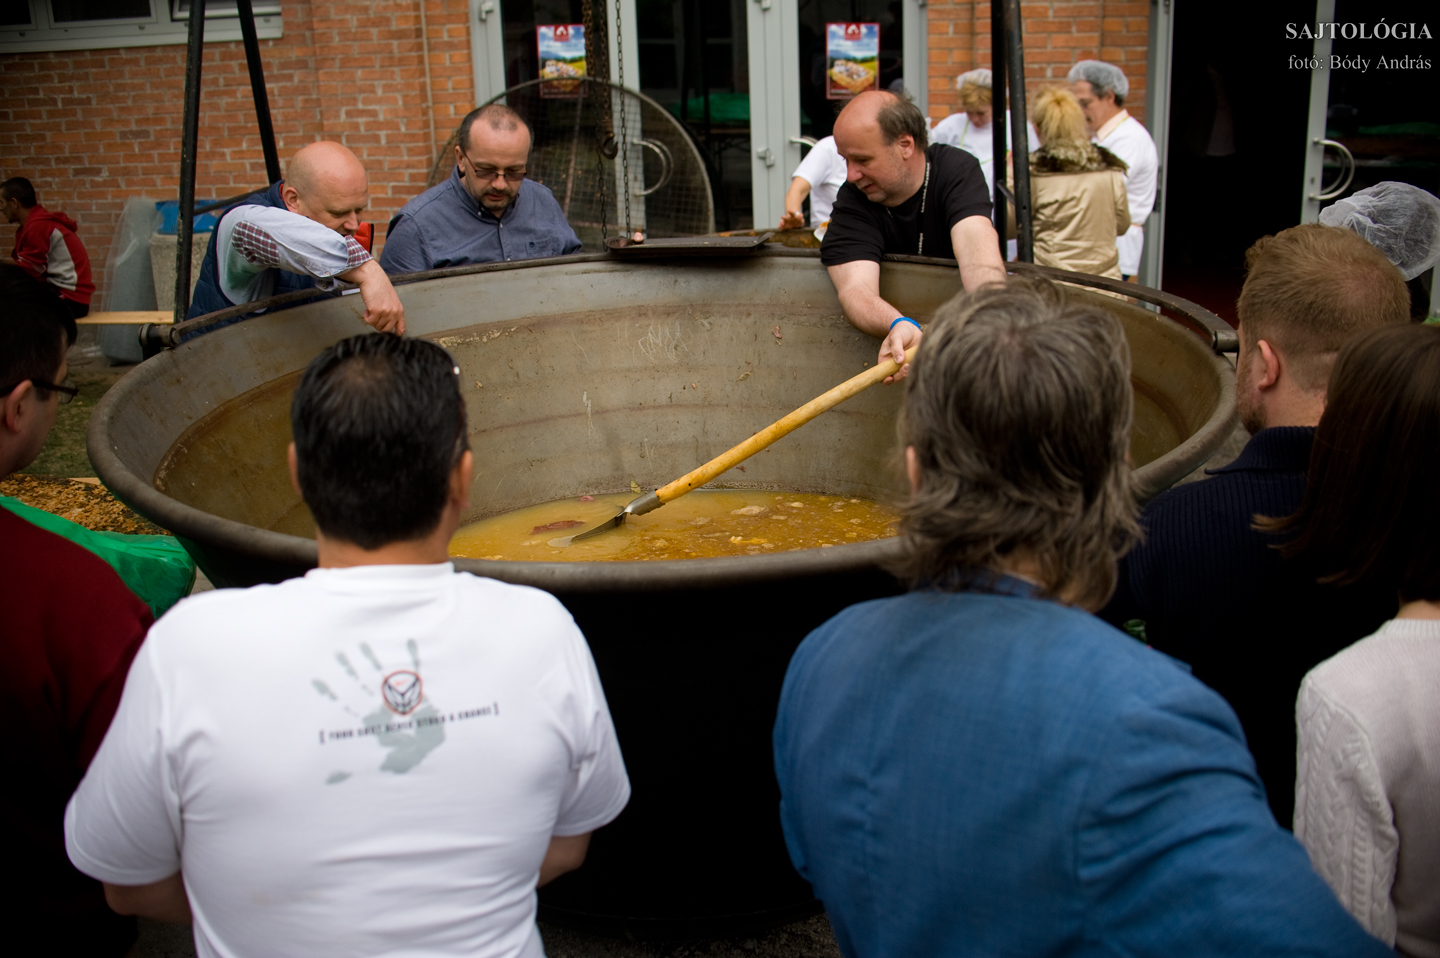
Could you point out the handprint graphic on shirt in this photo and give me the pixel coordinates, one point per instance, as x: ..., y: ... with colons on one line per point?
x: 388, y: 701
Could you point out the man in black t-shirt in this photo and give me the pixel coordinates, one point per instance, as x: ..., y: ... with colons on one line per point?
x: 901, y: 197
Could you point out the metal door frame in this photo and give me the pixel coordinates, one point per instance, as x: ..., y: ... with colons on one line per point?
x: 1157, y: 118
x: 487, y: 49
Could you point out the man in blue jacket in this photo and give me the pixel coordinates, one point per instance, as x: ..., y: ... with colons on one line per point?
x: 981, y: 767
x: 487, y: 211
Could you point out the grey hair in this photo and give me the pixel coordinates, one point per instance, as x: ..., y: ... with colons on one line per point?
x: 1103, y: 78
x: 1019, y: 408
x: 497, y: 116
x: 900, y: 117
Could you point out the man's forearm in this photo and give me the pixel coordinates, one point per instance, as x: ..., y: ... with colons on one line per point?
x: 975, y: 275
x: 164, y: 900
x: 857, y: 285
x: 977, y: 248
x: 867, y: 312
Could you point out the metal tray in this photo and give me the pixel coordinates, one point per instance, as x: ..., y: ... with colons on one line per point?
x: 688, y: 245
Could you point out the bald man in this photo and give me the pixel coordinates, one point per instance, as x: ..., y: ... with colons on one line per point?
x: 902, y: 196
x: 299, y: 234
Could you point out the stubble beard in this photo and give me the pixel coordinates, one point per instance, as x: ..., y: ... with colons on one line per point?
x: 1247, y: 403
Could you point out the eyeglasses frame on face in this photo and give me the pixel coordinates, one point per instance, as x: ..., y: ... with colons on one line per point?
x: 512, y: 175
x: 66, y: 391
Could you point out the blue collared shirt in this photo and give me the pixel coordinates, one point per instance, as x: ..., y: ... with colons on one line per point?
x: 446, y: 226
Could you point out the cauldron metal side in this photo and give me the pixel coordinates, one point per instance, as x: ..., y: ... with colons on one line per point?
x: 581, y: 375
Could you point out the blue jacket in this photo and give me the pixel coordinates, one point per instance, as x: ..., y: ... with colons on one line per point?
x: 446, y: 226
x: 994, y: 774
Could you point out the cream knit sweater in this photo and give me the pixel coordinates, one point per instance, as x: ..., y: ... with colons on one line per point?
x: 1367, y: 794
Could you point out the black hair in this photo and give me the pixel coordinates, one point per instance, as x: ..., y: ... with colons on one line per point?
x: 379, y: 424
x: 19, y: 188
x: 30, y: 346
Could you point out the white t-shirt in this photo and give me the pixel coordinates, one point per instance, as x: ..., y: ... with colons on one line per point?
x: 365, y: 761
x: 1123, y: 135
x: 979, y: 141
x: 824, y: 169
x: 255, y: 240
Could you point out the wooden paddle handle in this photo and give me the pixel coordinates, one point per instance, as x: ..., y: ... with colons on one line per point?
x: 738, y: 454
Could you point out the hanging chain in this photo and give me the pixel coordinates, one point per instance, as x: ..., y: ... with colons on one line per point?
x: 597, y: 70
x: 624, y: 115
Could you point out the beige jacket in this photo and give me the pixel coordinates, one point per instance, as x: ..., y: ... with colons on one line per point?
x: 1077, y: 198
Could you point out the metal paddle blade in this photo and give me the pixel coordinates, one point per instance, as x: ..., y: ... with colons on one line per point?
x: 638, y: 507
x: 563, y: 541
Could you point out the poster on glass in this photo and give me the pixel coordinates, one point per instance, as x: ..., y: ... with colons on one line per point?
x: 852, y: 59
x: 562, y: 58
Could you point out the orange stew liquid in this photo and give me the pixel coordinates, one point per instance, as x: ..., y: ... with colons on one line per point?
x: 700, y: 525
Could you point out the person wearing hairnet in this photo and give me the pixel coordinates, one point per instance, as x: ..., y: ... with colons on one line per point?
x: 1101, y: 89
x: 971, y: 129
x: 1403, y: 222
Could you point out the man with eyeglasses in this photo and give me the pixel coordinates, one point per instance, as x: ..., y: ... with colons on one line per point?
x: 68, y: 630
x: 487, y: 211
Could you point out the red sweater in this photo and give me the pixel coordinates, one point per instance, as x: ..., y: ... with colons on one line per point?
x: 48, y: 249
x: 68, y: 630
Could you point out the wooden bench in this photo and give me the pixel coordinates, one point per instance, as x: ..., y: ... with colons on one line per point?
x: 128, y: 318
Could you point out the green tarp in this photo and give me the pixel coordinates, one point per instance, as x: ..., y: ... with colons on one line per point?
x: 156, y: 568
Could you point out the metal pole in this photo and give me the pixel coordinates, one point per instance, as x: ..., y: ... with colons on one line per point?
x: 997, y: 118
x: 1018, y: 130
x: 257, y: 88
x: 193, y: 55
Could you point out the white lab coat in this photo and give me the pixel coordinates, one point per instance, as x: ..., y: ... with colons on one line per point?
x: 1131, y: 142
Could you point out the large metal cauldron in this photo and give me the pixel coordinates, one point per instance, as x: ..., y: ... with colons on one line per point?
x: 582, y: 375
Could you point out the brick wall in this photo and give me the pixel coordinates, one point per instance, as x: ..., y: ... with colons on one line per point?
x: 1056, y: 34
x: 93, y: 128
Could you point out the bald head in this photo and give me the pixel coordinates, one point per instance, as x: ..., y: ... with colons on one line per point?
x: 327, y: 183
x: 893, y: 116
x: 882, y: 138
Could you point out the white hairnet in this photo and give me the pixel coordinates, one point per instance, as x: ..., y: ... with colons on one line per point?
x: 981, y: 77
x: 1400, y: 220
x: 1103, y: 77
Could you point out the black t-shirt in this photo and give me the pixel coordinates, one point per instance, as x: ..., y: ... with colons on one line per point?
x: 862, y: 230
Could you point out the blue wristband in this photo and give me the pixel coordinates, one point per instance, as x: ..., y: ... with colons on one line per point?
x: 905, y: 319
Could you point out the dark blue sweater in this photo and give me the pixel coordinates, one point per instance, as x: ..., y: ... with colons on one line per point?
x: 1213, y: 592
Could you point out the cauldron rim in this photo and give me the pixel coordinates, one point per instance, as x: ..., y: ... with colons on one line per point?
x: 188, y: 522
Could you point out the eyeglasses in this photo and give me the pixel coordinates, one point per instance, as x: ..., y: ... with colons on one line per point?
x: 67, y: 391
x: 486, y: 174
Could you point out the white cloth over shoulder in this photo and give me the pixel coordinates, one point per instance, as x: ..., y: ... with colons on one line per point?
x: 1367, y: 792
x: 1126, y: 138
x: 252, y: 240
x: 365, y: 761
x: 824, y: 169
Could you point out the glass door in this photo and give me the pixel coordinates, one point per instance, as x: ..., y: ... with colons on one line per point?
x: 835, y: 42
x: 694, y: 61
